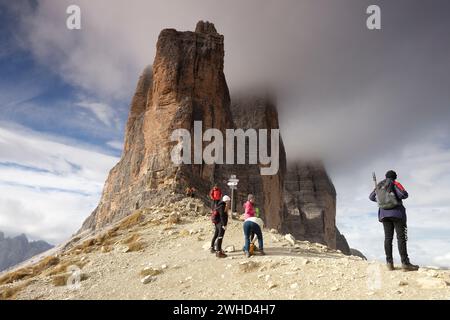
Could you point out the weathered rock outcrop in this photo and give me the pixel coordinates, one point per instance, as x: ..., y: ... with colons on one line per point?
x: 258, y: 111
x: 18, y: 249
x: 186, y: 83
x: 310, y: 200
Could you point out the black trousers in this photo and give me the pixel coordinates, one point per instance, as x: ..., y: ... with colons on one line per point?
x: 399, y: 225
x: 217, y: 239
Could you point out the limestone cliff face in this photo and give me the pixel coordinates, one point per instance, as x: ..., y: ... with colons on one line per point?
x: 310, y: 200
x: 259, y: 112
x: 186, y: 83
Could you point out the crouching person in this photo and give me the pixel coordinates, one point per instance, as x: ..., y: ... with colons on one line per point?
x: 220, y: 220
x: 253, y: 226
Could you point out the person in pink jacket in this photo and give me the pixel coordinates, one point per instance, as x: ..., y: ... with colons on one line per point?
x: 249, y: 207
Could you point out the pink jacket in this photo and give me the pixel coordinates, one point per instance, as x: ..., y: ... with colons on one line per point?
x: 249, y: 210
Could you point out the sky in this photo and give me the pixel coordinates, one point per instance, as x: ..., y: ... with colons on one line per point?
x: 362, y: 100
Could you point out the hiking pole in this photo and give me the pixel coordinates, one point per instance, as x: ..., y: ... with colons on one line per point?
x: 375, y: 179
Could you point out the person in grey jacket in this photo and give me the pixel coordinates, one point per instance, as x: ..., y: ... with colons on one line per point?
x: 395, y: 219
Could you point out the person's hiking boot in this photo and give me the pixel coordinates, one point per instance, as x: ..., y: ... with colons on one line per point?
x: 220, y: 254
x: 409, y: 267
x: 247, y: 254
x: 261, y: 252
x: 212, y: 250
x: 390, y: 266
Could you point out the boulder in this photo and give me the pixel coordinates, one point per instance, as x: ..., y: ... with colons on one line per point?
x: 148, y: 279
x: 289, y: 238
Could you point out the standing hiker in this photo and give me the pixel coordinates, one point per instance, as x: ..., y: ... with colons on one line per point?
x: 215, y: 194
x: 220, y: 219
x: 253, y: 227
x: 389, y: 194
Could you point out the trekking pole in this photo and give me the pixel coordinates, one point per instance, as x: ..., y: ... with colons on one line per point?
x: 375, y: 179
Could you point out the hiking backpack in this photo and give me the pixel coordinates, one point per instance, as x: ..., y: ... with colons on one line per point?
x: 386, y: 198
x: 215, y: 216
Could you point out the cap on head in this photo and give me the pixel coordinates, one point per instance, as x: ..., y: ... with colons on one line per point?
x: 391, y: 174
x: 226, y: 198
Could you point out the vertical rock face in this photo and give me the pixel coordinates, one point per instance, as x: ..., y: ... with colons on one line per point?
x: 259, y: 112
x: 310, y: 205
x: 186, y: 83
x: 310, y: 200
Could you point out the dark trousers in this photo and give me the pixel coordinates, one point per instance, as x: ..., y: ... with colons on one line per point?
x: 399, y: 225
x: 251, y: 228
x: 216, y: 242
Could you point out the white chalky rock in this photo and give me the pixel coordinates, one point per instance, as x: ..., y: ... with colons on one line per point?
x: 289, y: 238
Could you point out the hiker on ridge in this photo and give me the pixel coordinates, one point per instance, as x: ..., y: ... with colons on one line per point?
x: 220, y: 219
x: 389, y: 194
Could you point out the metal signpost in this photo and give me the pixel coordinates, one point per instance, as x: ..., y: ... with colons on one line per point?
x: 232, y: 183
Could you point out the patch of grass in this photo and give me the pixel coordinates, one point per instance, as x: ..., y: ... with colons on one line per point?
x: 60, y: 280
x: 136, y: 246
x: 29, y: 272
x: 11, y: 292
x: 105, y: 239
x: 133, y: 238
x: 62, y: 266
x: 106, y: 249
x: 131, y: 221
x: 16, y: 275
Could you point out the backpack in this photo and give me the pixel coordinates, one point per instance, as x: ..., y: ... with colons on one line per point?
x: 215, y: 216
x: 386, y: 196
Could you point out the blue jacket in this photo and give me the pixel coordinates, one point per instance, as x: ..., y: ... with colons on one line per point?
x: 398, y: 212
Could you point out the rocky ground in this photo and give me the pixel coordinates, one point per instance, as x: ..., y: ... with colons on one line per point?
x: 161, y: 253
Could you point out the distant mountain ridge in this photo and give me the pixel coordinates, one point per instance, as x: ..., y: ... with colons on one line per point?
x: 18, y: 249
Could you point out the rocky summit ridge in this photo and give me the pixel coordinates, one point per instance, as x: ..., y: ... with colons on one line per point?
x: 162, y: 252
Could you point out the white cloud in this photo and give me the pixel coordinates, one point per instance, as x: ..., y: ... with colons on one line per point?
x: 47, y: 186
x: 51, y: 153
x: 118, y: 145
x: 443, y: 260
x: 102, y: 111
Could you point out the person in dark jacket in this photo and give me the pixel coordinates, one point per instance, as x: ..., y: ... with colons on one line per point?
x: 220, y: 227
x: 394, y: 219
